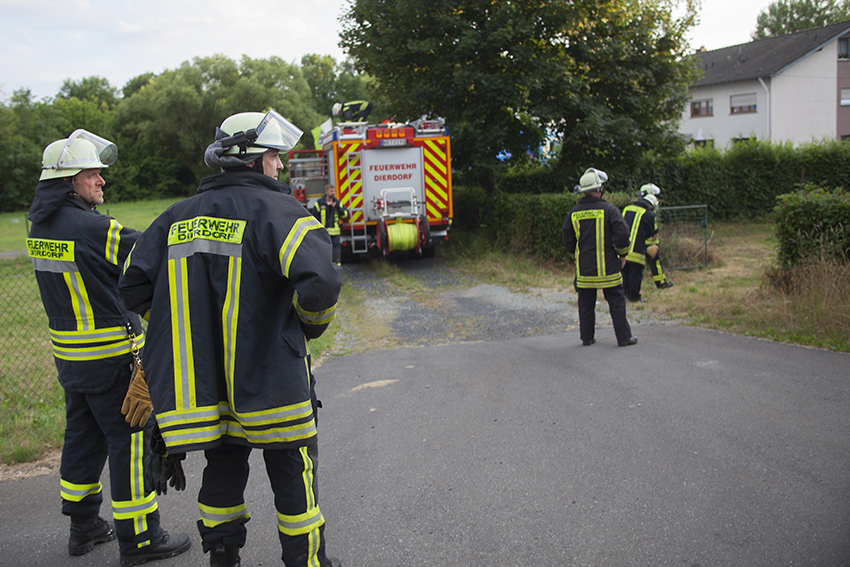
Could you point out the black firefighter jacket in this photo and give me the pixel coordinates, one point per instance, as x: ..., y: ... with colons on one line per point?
x: 643, y: 228
x: 77, y: 254
x: 596, y: 235
x: 236, y: 279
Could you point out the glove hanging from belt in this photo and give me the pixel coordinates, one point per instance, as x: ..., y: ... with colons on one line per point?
x: 652, y: 250
x: 163, y: 469
x: 137, y: 406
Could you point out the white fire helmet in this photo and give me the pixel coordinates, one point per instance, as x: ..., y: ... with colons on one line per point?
x: 81, y: 150
x: 591, y: 180
x: 649, y: 189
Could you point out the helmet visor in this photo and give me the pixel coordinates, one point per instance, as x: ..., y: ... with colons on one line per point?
x: 277, y: 132
x: 85, y: 150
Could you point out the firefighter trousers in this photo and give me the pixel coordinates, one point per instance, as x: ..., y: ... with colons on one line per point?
x: 616, y: 299
x: 657, y: 272
x: 632, y: 276
x: 291, y: 473
x: 95, y: 429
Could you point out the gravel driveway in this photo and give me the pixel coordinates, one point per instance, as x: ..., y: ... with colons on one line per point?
x: 443, y: 305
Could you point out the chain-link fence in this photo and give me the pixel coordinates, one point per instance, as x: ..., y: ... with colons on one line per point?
x: 684, y: 237
x: 27, y: 371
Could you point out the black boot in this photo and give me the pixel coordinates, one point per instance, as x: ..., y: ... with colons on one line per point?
x: 223, y: 556
x: 87, y: 532
x: 165, y: 547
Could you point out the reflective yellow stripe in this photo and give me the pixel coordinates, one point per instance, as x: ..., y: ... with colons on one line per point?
x: 93, y: 336
x: 79, y: 301
x: 113, y: 239
x: 229, y: 320
x: 140, y: 504
x: 293, y: 241
x: 134, y: 508
x: 212, y: 516
x: 96, y: 352
x: 311, y: 519
x: 315, y: 317
x: 181, y: 334
x: 76, y: 492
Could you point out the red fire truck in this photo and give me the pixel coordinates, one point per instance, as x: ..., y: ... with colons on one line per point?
x: 395, y: 179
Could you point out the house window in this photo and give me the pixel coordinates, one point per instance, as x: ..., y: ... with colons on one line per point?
x: 702, y: 108
x: 703, y: 143
x: 743, y: 103
x: 844, y: 49
x: 845, y: 97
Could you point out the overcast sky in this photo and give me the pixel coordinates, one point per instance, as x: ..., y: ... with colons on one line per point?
x: 47, y: 41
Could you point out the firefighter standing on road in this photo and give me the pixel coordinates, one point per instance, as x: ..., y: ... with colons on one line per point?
x: 77, y: 254
x: 237, y: 278
x: 329, y: 211
x: 596, y: 235
x: 640, y: 216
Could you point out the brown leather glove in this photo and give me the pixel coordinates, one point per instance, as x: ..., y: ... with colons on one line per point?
x: 137, y: 405
x: 652, y: 250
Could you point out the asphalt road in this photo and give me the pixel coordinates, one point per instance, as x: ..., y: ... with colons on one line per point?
x: 692, y: 448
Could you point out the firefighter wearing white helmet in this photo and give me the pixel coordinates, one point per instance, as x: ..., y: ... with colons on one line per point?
x: 596, y: 235
x: 643, y: 226
x: 237, y: 279
x: 653, y: 254
x: 649, y: 189
x: 77, y: 254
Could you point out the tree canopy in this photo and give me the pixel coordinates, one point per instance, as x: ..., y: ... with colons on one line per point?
x: 789, y: 16
x: 163, y: 123
x: 608, y: 78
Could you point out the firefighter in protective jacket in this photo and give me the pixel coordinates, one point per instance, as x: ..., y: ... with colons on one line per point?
x: 77, y: 254
x: 596, y: 235
x: 640, y: 216
x: 329, y: 211
x: 650, y: 192
x: 236, y: 280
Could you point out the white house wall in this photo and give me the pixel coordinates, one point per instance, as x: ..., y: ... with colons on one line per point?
x: 724, y: 126
x: 803, y: 98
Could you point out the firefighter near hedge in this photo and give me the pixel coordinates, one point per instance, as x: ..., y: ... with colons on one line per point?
x: 642, y: 218
x: 597, y: 237
x: 77, y: 254
x: 237, y: 279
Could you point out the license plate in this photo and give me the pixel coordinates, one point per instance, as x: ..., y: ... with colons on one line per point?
x: 395, y: 142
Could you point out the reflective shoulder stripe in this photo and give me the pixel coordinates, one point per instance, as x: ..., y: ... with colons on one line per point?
x: 113, y: 239
x: 293, y: 241
x: 199, y: 246
x: 55, y: 266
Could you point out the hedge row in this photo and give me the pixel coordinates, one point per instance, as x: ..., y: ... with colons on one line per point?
x: 811, y: 224
x: 739, y: 183
x: 521, y: 222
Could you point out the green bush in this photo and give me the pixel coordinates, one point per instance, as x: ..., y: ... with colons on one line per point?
x: 811, y: 224
x: 521, y: 222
